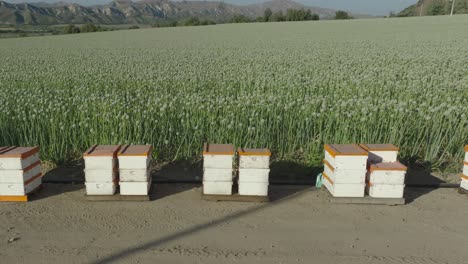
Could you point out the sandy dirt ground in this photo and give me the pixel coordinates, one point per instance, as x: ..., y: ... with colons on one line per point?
x: 300, y: 225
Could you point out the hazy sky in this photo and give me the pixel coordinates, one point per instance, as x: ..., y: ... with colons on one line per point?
x: 371, y: 7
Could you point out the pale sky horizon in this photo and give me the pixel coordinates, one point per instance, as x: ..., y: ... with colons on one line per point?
x: 370, y: 7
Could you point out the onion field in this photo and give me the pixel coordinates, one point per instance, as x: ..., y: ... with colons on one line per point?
x: 288, y: 86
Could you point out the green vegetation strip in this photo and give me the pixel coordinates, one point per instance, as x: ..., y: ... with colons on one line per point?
x: 290, y: 87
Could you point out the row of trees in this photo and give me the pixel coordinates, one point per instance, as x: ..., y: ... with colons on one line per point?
x: 269, y: 16
x: 72, y: 29
x: 290, y: 15
x: 191, y: 21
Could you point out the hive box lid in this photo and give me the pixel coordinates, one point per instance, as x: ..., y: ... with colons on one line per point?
x: 379, y: 147
x: 135, y: 150
x: 345, y: 150
x: 18, y: 152
x: 253, y: 152
x: 102, y: 151
x: 218, y: 149
x: 388, y: 166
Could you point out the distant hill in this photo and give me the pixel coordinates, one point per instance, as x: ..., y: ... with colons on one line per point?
x: 435, y: 7
x: 141, y: 12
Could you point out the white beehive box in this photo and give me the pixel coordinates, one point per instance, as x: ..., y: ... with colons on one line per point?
x: 387, y: 173
x: 465, y: 168
x: 386, y: 180
x: 343, y: 189
x: 135, y: 157
x: 385, y: 190
x: 253, y: 188
x: 218, y: 156
x: 20, y: 189
x: 135, y: 188
x: 217, y: 168
x: 217, y: 175
x: 254, y: 175
x: 134, y: 163
x: 100, y: 188
x: 346, y: 156
x: 254, y: 171
x: 466, y: 153
x: 20, y: 176
x: 130, y: 175
x: 254, y: 158
x: 344, y: 176
x: 217, y: 187
x: 345, y: 170
x: 18, y: 158
x: 381, y: 152
x: 101, y: 157
x: 101, y: 175
x: 464, y: 182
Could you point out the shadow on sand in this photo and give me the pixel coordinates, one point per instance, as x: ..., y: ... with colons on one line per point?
x: 158, y: 241
x: 188, y: 175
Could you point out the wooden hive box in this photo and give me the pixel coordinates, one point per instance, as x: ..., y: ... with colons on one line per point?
x: 254, y: 158
x: 381, y: 152
x: 135, y: 157
x: 134, y: 163
x: 101, y: 157
x: 345, y: 170
x: 254, y: 171
x: 346, y: 156
x: 218, y: 156
x: 217, y: 169
x: 386, y: 180
x: 466, y: 153
x: 18, y: 158
x: 387, y: 173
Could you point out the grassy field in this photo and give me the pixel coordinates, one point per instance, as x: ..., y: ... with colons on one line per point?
x: 288, y: 86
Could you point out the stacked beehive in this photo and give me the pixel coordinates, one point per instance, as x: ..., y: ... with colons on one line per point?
x: 386, y: 176
x: 134, y: 172
x: 101, y: 172
x: 217, y: 168
x: 345, y: 170
x: 254, y: 170
x: 464, y: 176
x: 20, y: 170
